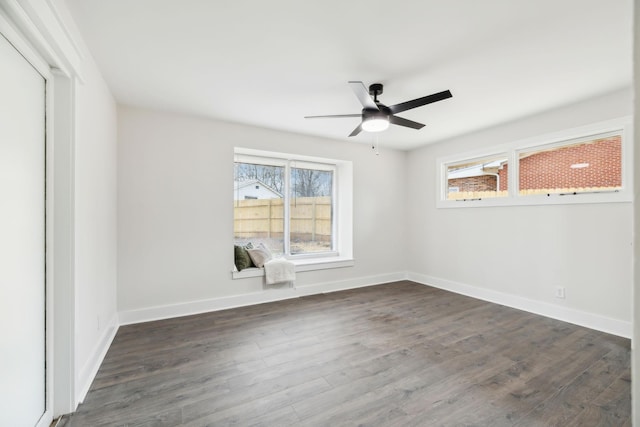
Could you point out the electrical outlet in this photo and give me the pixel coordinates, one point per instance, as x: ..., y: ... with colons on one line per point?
x: 560, y: 292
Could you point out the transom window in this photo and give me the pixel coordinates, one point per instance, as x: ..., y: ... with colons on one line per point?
x: 591, y: 168
x: 588, y: 165
x: 477, y: 179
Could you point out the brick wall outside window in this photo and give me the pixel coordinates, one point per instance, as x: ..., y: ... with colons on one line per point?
x: 474, y: 183
x: 503, y: 173
x: 552, y: 169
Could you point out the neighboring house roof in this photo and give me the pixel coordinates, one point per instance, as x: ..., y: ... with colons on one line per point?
x: 237, y: 185
x: 479, y: 169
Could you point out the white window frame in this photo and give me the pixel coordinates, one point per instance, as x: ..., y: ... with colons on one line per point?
x: 341, y: 254
x: 622, y: 126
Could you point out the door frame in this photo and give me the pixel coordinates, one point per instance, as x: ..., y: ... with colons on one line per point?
x: 35, y: 30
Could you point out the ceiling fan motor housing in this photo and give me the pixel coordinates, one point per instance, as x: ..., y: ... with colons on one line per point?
x: 374, y: 120
x: 370, y: 113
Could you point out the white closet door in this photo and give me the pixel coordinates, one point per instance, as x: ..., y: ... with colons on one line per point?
x: 22, y: 240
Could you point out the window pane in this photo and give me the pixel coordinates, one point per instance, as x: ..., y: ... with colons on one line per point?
x: 258, y: 213
x: 311, y: 211
x: 478, y: 179
x: 588, y: 166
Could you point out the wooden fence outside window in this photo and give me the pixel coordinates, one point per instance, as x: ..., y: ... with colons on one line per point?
x: 310, y: 218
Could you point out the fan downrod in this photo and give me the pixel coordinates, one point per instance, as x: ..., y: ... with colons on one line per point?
x: 375, y: 89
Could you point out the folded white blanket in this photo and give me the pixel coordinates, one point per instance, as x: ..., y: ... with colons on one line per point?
x: 279, y: 270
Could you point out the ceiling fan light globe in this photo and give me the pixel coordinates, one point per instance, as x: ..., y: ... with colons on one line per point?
x: 375, y: 124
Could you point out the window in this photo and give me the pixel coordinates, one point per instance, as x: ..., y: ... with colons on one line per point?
x: 590, y: 165
x: 477, y: 179
x: 311, y: 209
x: 291, y: 204
x: 258, y: 209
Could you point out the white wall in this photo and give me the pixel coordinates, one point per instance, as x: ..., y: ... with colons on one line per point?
x: 517, y: 255
x: 175, y: 213
x: 94, y: 223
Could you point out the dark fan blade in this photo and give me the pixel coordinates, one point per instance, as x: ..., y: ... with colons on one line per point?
x: 363, y: 95
x: 404, y: 122
x: 333, y: 116
x: 398, y: 108
x: 356, y: 130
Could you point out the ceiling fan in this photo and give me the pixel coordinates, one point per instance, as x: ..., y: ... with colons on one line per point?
x: 376, y: 116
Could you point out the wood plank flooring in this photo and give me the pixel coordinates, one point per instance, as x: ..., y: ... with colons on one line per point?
x: 399, y: 354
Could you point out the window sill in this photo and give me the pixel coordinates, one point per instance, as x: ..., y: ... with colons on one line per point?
x: 309, y: 264
x: 622, y: 196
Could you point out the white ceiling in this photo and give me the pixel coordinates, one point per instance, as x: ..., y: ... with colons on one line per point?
x: 269, y: 63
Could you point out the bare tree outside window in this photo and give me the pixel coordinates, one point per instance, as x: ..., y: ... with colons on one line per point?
x: 273, y: 176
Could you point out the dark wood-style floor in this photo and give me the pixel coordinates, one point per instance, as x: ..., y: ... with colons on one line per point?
x: 389, y: 355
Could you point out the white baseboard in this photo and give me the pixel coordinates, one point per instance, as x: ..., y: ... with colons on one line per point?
x: 577, y: 317
x: 90, y: 369
x: 267, y: 295
x: 582, y: 318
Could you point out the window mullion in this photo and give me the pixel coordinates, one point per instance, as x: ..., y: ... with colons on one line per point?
x: 514, y: 174
x: 287, y: 209
x: 334, y: 216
